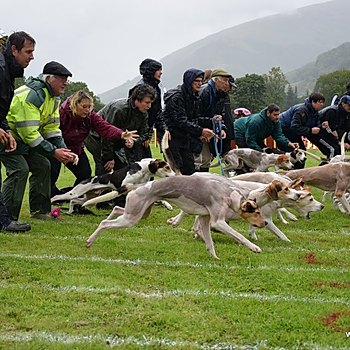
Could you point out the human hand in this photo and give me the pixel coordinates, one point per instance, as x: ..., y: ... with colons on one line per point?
x: 130, y: 135
x: 144, y: 144
x: 217, y: 118
x: 315, y: 130
x: 64, y: 155
x: 11, y: 145
x: 207, y: 133
x: 4, y: 137
x: 294, y: 144
x: 325, y: 125
x: 109, y: 165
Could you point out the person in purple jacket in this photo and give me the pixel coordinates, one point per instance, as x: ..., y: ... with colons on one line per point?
x: 77, y: 118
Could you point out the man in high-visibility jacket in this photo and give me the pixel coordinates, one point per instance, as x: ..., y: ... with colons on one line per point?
x: 34, y: 122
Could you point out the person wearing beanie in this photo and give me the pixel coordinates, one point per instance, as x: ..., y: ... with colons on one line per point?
x: 211, y: 104
x: 181, y: 117
x: 151, y: 71
x: 15, y: 55
x: 35, y: 124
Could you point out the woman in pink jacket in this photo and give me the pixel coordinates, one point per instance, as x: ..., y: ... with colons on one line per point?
x: 77, y: 118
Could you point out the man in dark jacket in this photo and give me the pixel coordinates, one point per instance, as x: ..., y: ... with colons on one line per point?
x: 338, y: 118
x: 126, y: 114
x: 305, y: 122
x: 181, y: 117
x: 15, y: 55
x: 151, y: 71
x: 211, y: 104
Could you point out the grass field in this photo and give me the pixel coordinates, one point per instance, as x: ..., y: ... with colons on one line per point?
x: 154, y: 287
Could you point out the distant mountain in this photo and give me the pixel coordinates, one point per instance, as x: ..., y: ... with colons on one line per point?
x: 287, y: 40
x: 305, y: 77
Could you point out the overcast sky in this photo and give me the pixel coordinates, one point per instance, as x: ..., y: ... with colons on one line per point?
x: 103, y: 42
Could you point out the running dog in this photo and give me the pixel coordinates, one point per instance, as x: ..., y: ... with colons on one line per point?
x: 135, y: 173
x: 259, y: 161
x: 330, y: 177
x: 275, y: 194
x: 205, y: 197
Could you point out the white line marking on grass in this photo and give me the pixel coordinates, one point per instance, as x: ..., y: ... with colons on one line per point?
x: 145, y: 240
x: 21, y: 337
x: 175, y: 293
x: 171, y: 263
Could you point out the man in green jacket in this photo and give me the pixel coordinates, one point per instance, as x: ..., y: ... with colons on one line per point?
x: 34, y: 122
x: 251, y: 131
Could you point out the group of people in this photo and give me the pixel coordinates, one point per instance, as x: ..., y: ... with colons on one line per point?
x: 38, y: 134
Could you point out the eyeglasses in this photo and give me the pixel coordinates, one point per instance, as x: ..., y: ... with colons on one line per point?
x: 62, y: 79
x: 200, y: 81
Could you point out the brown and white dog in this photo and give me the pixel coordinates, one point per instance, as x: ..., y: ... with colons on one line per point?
x: 259, y: 161
x: 330, y: 177
x: 205, y: 197
x: 135, y: 173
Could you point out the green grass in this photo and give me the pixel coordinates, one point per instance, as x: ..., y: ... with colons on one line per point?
x: 154, y: 287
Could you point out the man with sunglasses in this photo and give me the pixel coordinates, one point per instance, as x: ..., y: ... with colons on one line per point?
x: 35, y: 124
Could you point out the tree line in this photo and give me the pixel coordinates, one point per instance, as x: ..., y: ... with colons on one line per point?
x: 255, y: 92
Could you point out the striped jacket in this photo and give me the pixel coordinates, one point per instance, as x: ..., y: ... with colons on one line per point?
x: 34, y: 118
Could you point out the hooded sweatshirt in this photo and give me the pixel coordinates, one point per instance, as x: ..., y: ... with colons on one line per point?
x: 181, y: 112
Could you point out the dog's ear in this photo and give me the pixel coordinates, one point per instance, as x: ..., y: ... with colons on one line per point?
x: 153, y: 166
x: 272, y: 189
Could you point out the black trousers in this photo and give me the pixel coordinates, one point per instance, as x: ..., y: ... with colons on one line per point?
x: 81, y: 171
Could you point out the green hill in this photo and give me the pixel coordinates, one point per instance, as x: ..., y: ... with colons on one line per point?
x: 287, y: 40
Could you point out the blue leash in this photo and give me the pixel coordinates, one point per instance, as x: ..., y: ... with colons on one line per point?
x: 217, y: 128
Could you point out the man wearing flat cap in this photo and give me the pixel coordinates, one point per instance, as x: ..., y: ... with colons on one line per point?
x: 211, y: 104
x: 34, y: 122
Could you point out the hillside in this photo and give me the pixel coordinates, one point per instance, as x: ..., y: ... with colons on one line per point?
x: 288, y: 40
x: 330, y: 61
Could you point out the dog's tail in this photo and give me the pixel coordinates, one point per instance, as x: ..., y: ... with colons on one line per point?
x: 314, y: 156
x: 168, y: 155
x: 110, y: 195
x: 342, y: 144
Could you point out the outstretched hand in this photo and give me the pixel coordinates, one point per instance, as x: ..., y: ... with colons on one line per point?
x: 130, y: 135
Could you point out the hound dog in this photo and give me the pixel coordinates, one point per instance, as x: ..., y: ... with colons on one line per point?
x: 330, y: 177
x: 300, y: 206
x: 304, y: 205
x: 259, y: 161
x: 135, y: 173
x: 205, y: 197
x: 296, y: 156
x: 264, y: 195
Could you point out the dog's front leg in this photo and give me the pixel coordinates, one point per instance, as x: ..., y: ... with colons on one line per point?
x: 252, y: 232
x: 275, y: 230
x: 204, y: 222
x: 176, y: 220
x: 223, y: 227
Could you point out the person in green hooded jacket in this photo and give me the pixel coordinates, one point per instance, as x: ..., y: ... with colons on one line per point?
x: 34, y: 122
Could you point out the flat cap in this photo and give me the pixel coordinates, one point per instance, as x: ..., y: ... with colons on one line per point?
x: 56, y: 68
x: 220, y: 73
